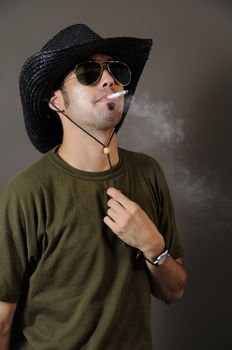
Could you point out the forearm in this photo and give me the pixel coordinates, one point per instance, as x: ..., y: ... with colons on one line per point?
x: 168, y: 280
x: 7, y: 311
x: 5, y: 340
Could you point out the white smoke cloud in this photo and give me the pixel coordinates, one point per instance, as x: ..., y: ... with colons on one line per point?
x: 158, y: 117
x: 156, y: 129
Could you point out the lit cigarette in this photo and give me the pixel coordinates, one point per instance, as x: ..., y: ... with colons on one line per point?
x: 117, y: 94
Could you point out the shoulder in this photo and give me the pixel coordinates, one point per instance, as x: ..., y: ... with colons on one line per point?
x: 27, y: 178
x: 141, y: 161
x: 143, y: 167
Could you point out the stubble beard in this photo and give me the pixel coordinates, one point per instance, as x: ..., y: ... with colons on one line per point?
x: 102, y: 119
x: 106, y: 118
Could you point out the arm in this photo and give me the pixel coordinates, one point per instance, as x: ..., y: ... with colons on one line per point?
x: 7, y: 311
x: 168, y: 280
x: 131, y: 224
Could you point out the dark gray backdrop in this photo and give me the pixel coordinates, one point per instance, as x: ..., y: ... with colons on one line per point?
x: 181, y: 115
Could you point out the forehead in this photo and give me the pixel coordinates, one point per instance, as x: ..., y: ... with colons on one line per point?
x: 100, y: 57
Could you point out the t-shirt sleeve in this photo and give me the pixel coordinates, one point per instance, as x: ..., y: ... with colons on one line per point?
x: 13, y: 267
x: 14, y: 247
x: 167, y: 223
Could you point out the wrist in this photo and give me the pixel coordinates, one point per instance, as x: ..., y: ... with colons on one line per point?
x: 156, y: 250
x: 158, y: 260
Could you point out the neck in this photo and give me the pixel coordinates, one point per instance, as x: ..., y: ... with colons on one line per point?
x: 83, y: 152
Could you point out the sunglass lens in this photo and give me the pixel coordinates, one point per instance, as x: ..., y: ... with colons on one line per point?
x: 121, y: 72
x: 88, y: 73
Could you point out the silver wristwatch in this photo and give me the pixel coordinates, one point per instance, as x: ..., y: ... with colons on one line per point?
x: 159, y: 260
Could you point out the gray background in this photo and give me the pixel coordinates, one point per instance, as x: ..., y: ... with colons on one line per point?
x: 181, y: 116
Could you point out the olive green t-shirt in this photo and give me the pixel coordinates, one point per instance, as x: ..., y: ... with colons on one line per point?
x: 77, y: 285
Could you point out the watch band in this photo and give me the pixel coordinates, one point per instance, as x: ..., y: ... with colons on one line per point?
x: 159, y: 260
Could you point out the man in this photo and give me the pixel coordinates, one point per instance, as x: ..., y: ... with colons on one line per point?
x: 87, y: 233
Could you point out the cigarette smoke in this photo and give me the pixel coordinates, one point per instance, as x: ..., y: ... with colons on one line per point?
x: 158, y: 117
x: 157, y: 129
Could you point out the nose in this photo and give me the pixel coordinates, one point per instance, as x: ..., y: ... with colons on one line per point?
x: 106, y: 79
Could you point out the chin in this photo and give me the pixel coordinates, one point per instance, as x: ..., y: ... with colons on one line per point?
x: 106, y: 126
x: 108, y: 121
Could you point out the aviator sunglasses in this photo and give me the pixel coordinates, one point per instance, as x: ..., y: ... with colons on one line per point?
x: 90, y: 72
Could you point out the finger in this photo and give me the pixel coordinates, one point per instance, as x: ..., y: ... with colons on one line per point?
x: 116, y: 206
x: 111, y: 224
x: 113, y: 215
x: 119, y: 197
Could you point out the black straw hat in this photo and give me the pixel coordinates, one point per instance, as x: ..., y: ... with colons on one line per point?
x: 45, y: 69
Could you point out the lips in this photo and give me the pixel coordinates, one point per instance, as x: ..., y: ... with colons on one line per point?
x: 105, y: 98
x: 102, y: 96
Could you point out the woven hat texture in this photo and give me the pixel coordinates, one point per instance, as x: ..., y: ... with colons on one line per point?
x: 45, y: 69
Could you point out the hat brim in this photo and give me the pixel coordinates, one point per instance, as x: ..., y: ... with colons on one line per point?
x: 43, y: 70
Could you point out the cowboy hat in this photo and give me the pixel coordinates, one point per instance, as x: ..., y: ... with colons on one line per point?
x: 43, y: 70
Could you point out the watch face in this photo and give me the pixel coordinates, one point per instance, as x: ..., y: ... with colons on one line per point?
x: 161, y: 259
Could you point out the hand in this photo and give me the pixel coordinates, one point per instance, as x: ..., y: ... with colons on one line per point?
x: 132, y: 225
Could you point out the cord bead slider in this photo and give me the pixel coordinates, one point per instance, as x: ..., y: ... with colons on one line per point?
x: 106, y: 150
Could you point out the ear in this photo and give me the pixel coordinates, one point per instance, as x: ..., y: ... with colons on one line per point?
x: 56, y: 101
